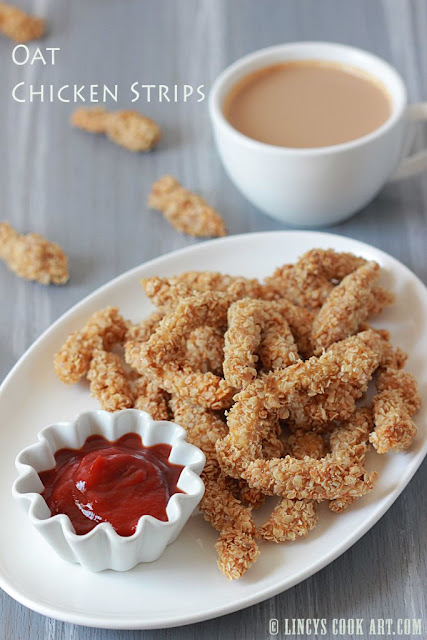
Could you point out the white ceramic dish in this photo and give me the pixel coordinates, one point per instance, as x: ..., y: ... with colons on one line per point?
x: 167, y: 592
x: 102, y: 548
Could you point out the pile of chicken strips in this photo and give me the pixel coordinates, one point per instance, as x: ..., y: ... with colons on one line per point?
x: 269, y: 379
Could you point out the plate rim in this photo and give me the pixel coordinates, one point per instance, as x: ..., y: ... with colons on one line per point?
x: 84, y: 619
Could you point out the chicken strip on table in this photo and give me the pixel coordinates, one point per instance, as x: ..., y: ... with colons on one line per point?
x: 129, y: 129
x: 33, y: 257
x: 256, y: 327
x: 309, y: 282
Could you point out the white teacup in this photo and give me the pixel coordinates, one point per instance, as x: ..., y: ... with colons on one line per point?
x: 319, y: 186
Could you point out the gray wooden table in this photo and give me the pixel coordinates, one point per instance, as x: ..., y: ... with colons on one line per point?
x: 89, y: 195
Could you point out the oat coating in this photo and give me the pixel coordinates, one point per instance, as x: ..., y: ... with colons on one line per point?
x: 148, y: 397
x: 178, y: 352
x: 289, y: 520
x: 205, y: 350
x: 109, y: 383
x: 236, y: 547
x: 164, y: 354
x: 128, y: 129
x: 292, y: 519
x: 309, y: 282
x: 326, y: 479
x: 256, y: 327
x: 187, y: 212
x: 351, y: 439
x: 237, y: 551
x: 169, y: 341
x: 345, y: 308
x: 142, y: 331
x: 313, y: 392
x: 33, y: 257
x: 306, y: 443
x: 169, y: 291
x: 104, y: 329
x: 397, y: 401
x: 206, y: 389
x: 18, y: 25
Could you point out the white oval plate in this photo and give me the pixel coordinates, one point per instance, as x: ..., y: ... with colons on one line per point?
x: 184, y: 585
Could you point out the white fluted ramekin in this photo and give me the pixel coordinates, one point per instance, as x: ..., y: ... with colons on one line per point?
x: 102, y: 547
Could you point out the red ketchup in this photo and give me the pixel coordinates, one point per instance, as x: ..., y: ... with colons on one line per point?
x: 115, y: 482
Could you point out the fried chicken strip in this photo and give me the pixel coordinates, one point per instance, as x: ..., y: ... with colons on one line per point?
x: 204, y: 389
x: 351, y: 441
x: 104, y: 329
x: 142, y: 331
x: 309, y: 282
x: 185, y: 211
x: 33, y: 257
x: 109, y: 382
x: 397, y: 401
x: 255, y: 326
x: 170, y: 291
x: 149, y: 398
x: 325, y: 479
x: 236, y: 547
x: 205, y: 350
x: 18, y: 25
x: 306, y: 443
x: 129, y: 129
x: 289, y: 520
x: 336, y: 476
x: 346, y: 307
x: 313, y: 392
x: 292, y: 519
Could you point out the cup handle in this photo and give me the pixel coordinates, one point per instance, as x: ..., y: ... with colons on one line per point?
x: 417, y: 162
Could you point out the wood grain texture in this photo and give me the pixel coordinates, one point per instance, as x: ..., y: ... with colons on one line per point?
x: 89, y: 196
